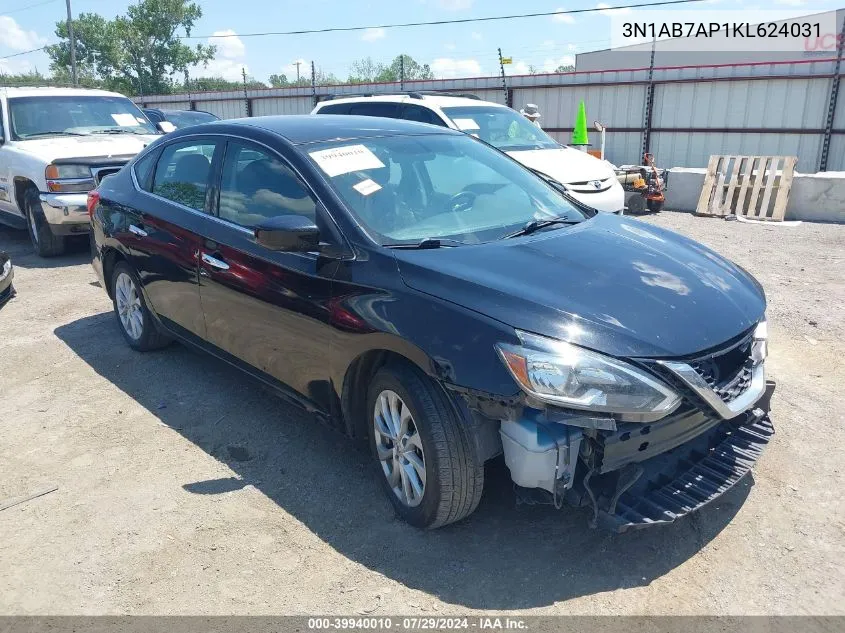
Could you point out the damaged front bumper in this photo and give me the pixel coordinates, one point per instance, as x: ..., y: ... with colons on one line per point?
x: 631, y: 475
x: 678, y: 481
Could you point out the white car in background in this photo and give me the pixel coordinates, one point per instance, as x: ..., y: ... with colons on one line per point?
x: 57, y: 144
x: 586, y: 178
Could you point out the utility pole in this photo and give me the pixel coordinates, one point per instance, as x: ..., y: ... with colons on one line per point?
x: 72, y: 44
x: 313, y: 83
x: 504, y: 83
x: 297, y: 62
x: 649, y: 105
x: 246, y: 98
x: 401, y: 72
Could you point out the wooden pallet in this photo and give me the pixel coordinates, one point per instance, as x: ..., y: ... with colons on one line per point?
x: 733, y: 185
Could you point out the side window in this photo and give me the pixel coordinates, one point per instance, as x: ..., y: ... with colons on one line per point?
x: 2, y: 130
x: 183, y: 172
x: 143, y: 168
x: 257, y: 186
x: 422, y: 115
x: 335, y: 108
x: 376, y: 108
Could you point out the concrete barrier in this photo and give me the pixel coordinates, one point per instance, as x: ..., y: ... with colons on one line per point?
x: 814, y: 197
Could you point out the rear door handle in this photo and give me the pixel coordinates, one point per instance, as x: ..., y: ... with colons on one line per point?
x: 214, y: 262
x: 137, y: 230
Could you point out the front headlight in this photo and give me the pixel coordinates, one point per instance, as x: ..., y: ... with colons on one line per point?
x: 69, y: 178
x: 760, y: 342
x: 569, y: 376
x: 7, y: 268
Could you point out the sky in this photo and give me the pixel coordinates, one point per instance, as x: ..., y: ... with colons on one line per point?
x: 457, y: 50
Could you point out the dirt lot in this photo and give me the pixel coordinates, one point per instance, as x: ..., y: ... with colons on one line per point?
x: 184, y: 488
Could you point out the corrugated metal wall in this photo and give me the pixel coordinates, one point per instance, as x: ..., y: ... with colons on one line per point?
x: 697, y: 110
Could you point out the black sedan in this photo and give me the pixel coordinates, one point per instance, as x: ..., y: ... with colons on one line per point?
x: 425, y: 293
x: 7, y: 275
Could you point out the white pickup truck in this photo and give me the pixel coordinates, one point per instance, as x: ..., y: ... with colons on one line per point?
x: 56, y: 144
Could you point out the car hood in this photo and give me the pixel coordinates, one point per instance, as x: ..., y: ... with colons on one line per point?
x: 54, y: 148
x: 611, y: 284
x: 565, y: 164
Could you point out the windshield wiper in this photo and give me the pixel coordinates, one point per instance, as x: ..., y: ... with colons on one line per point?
x: 52, y: 133
x: 549, y: 179
x: 536, y: 225
x: 116, y: 130
x: 429, y: 242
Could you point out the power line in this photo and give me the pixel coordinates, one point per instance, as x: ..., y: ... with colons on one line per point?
x: 441, y: 22
x: 34, y: 50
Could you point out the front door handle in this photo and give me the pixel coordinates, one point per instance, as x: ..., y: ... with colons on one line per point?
x: 137, y: 230
x: 214, y: 262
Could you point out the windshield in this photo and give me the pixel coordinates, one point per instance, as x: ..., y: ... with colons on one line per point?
x: 187, y: 118
x: 404, y: 189
x: 501, y: 127
x: 40, y: 117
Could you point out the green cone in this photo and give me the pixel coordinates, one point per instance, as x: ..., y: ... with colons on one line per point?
x: 579, y: 134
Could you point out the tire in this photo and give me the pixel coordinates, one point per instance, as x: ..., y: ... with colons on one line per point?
x: 139, y: 328
x: 655, y: 206
x: 454, y: 478
x: 43, y: 241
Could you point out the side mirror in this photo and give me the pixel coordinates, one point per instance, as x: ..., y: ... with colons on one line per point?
x: 165, y: 127
x: 288, y: 233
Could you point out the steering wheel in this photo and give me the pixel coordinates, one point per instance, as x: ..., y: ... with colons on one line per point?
x: 462, y: 201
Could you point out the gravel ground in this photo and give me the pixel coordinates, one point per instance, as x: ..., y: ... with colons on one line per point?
x: 184, y: 488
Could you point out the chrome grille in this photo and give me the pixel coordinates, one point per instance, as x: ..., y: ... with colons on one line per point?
x: 727, y: 372
x: 590, y: 186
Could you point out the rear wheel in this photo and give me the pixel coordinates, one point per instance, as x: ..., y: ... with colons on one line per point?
x: 426, y: 456
x: 136, y: 323
x: 43, y: 241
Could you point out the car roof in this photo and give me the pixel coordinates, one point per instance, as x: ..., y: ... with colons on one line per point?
x: 309, y: 128
x: 47, y: 91
x: 440, y: 101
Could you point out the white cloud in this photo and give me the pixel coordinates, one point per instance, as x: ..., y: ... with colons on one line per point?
x: 572, y: 47
x: 792, y: 3
x: 14, y: 37
x: 371, y: 35
x: 550, y: 65
x: 229, y: 45
x: 15, y: 66
x: 477, y: 36
x: 449, y: 46
x: 606, y: 10
x: 564, y: 18
x: 228, y: 63
x: 550, y: 44
x: 455, y: 5
x: 447, y: 68
x: 519, y: 68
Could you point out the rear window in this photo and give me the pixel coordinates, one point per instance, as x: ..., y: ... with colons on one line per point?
x: 376, y: 108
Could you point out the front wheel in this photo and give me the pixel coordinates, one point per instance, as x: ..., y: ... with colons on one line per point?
x: 425, y: 453
x: 43, y: 241
x: 134, y: 318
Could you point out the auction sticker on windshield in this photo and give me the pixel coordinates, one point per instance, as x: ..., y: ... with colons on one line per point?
x: 366, y: 187
x: 124, y: 119
x: 342, y: 160
x: 466, y: 124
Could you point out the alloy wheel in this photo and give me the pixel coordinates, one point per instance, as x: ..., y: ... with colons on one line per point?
x: 399, y: 448
x: 128, y: 304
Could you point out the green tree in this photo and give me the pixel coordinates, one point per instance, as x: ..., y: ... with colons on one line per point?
x: 278, y: 81
x: 136, y: 52
x: 365, y: 70
x: 565, y: 69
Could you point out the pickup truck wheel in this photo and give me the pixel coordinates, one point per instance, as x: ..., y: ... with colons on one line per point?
x: 43, y: 241
x: 426, y: 457
x: 136, y: 323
